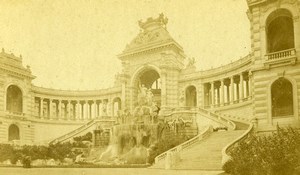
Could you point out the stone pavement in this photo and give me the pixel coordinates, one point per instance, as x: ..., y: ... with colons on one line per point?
x: 98, y: 171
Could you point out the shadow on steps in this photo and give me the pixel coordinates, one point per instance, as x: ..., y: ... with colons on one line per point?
x: 241, y: 126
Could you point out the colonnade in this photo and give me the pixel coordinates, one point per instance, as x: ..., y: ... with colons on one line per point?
x: 228, y: 90
x: 48, y: 108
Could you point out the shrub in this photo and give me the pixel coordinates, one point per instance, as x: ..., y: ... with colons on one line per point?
x: 26, y: 162
x: 86, y: 137
x: 57, y: 151
x: 6, y: 152
x: 276, y: 154
x: 164, y: 145
x: 60, y: 151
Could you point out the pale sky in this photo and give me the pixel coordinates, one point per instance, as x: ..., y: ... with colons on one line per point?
x: 72, y: 44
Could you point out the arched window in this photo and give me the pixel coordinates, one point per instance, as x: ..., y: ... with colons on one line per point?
x: 280, y: 31
x: 14, y: 99
x: 13, y: 132
x: 191, y: 96
x: 282, y: 98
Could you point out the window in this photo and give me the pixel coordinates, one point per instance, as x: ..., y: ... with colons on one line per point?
x: 282, y: 98
x: 280, y: 31
x: 14, y: 99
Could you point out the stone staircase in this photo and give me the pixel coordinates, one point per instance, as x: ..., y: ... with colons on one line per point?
x: 207, y: 153
x: 89, y: 126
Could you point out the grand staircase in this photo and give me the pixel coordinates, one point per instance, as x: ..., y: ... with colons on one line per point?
x: 203, y: 152
x: 89, y: 126
x: 207, y: 154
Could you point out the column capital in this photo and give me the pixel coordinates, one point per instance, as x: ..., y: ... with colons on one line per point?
x: 250, y: 74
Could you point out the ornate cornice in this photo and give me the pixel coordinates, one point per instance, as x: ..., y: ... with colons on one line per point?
x: 153, y: 35
x: 56, y: 93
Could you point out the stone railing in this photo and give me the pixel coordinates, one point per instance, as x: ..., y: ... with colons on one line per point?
x: 226, y: 150
x: 76, y: 131
x: 254, y: 2
x: 281, y: 54
x: 205, y: 113
x: 174, y: 152
x: 236, y: 118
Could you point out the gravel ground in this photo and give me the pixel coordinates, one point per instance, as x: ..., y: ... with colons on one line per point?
x: 98, y: 171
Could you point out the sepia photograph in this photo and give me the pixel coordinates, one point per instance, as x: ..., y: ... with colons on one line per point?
x: 166, y: 87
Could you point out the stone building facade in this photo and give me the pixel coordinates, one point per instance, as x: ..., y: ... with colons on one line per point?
x: 264, y: 85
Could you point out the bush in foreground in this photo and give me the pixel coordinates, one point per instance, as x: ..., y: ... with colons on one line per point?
x: 56, y: 152
x: 276, y: 154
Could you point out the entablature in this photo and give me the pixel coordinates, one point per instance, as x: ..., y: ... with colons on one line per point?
x: 75, y: 94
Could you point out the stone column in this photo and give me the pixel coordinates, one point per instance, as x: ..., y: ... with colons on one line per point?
x: 41, y: 107
x: 77, y: 110
x: 59, y: 114
x: 231, y: 90
x: 82, y: 111
x: 63, y: 108
x: 95, y: 109
x: 69, y: 110
x: 123, y: 97
x: 101, y: 109
x: 212, y: 94
x: 50, y: 108
x: 241, y: 87
x: 87, y: 110
x: 296, y: 20
x: 74, y: 110
x: 90, y: 110
x: 163, y: 89
x: 222, y: 93
x: 250, y: 84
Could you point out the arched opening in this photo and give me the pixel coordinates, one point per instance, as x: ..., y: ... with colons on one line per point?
x: 13, y: 132
x: 149, y: 83
x: 282, y: 98
x: 280, y: 31
x: 116, y: 106
x: 191, y: 96
x: 14, y: 99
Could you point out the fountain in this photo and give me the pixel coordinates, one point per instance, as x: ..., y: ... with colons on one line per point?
x: 131, y: 138
x: 137, y: 134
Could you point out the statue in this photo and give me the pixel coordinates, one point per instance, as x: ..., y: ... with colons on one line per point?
x: 150, y: 97
x: 191, y: 62
x: 142, y: 97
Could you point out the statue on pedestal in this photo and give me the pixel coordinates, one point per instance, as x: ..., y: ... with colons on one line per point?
x: 142, y: 96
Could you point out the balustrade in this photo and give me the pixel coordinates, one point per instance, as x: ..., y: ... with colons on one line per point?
x: 281, y: 54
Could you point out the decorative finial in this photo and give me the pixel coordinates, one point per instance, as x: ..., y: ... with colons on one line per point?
x: 160, y: 21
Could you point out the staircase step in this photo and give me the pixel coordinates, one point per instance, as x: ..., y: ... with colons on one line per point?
x: 207, y: 154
